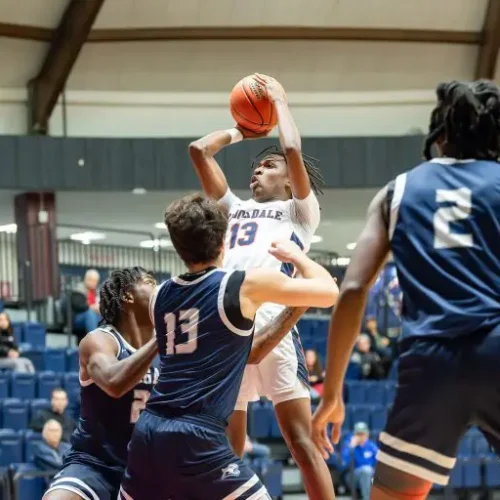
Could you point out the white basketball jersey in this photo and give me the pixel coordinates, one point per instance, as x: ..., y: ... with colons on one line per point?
x: 254, y: 226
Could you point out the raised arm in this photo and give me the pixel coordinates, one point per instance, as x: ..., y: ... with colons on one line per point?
x: 317, y: 288
x: 369, y: 256
x: 273, y: 333
x: 115, y: 378
x: 289, y: 138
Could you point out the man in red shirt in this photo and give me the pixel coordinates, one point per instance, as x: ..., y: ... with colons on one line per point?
x: 88, y: 320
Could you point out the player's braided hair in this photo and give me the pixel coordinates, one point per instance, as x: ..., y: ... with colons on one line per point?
x: 311, y: 164
x: 113, y: 291
x: 467, y: 117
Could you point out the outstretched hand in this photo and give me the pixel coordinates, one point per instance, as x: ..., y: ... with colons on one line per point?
x: 285, y: 251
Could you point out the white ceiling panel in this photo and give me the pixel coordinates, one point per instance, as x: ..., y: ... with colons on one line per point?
x: 20, y: 61
x: 301, y: 66
x: 466, y: 15
x: 42, y: 13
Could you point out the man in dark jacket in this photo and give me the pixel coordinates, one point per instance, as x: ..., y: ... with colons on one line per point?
x: 57, y: 412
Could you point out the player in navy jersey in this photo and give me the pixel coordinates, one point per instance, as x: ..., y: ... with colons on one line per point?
x: 441, y: 221
x: 204, y: 323
x: 116, y: 380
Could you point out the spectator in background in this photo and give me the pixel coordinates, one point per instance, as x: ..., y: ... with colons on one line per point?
x: 57, y: 412
x: 85, y: 303
x: 316, y: 373
x: 370, y: 364
x: 49, y: 453
x: 253, y: 449
x: 358, y: 455
x: 10, y: 357
x: 381, y: 343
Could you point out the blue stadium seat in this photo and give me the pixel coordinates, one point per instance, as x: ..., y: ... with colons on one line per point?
x: 15, y: 414
x: 37, y: 405
x: 18, y: 332
x: 11, y: 447
x: 72, y: 360
x: 465, y: 448
x: 275, y: 428
x: 360, y: 413
x: 492, y: 472
x: 71, y: 382
x: 31, y: 440
x: 37, y: 357
x: 23, y: 385
x: 472, y: 473
x: 356, y: 393
x: 29, y: 488
x: 390, y: 392
x: 47, y: 382
x: 259, y: 420
x: 375, y: 393
x: 270, y: 473
x: 481, y: 445
x: 347, y: 424
x: 353, y: 371
x: 378, y: 417
x: 4, y: 385
x: 457, y: 475
x: 55, y: 360
x: 393, y: 372
x: 34, y: 333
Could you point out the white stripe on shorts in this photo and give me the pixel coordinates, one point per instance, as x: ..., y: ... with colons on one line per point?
x: 242, y: 489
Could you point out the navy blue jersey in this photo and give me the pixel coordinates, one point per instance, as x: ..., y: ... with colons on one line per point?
x: 106, y: 424
x: 204, y: 344
x: 445, y: 229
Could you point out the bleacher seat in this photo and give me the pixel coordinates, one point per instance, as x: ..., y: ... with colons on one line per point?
x: 378, y: 417
x: 375, y: 393
x: 457, y: 476
x: 393, y: 372
x: 29, y: 488
x: 390, y: 392
x: 481, y: 446
x: 31, y: 440
x: 465, y: 448
x: 37, y: 357
x: 15, y: 414
x: 259, y: 420
x: 353, y: 371
x: 18, y: 332
x: 47, y: 382
x: 11, y: 447
x: 4, y: 385
x: 270, y: 474
x: 55, y: 360
x: 37, y: 405
x: 72, y: 360
x: 23, y: 385
x: 275, y: 428
x: 360, y: 413
x: 34, y: 333
x: 471, y: 473
x: 356, y: 393
x: 492, y: 472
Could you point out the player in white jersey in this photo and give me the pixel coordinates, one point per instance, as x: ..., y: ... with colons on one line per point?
x: 283, y: 206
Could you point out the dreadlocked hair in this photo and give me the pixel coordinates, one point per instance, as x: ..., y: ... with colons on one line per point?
x: 467, y: 119
x: 311, y: 164
x: 114, y: 290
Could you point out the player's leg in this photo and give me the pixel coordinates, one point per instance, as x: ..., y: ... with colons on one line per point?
x: 431, y: 412
x: 294, y: 419
x: 283, y: 376
x: 62, y: 495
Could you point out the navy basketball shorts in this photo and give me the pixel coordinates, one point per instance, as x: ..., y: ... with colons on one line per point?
x: 180, y: 460
x: 88, y: 477
x: 444, y: 387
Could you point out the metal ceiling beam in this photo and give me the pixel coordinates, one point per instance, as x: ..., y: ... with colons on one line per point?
x: 490, y: 42
x: 67, y: 41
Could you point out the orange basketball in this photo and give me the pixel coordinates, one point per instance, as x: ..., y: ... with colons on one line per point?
x: 251, y: 107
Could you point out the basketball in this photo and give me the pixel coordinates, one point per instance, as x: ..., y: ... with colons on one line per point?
x: 250, y: 106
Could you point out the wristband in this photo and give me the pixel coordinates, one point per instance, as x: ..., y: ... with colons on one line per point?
x: 236, y: 135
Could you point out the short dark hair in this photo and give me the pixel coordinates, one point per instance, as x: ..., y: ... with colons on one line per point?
x: 114, y: 289
x: 467, y: 119
x: 197, y: 226
x: 311, y: 164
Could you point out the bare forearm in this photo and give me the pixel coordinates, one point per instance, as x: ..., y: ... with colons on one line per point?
x: 272, y: 334
x: 309, y: 269
x: 118, y: 378
x: 344, y: 329
x: 212, y: 143
x: 289, y: 135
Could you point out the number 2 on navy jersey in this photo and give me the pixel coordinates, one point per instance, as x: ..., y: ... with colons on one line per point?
x: 458, y: 208
x: 243, y: 234
x: 185, y: 322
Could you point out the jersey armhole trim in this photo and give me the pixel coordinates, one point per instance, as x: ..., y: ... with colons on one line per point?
x: 399, y: 188
x: 222, y: 311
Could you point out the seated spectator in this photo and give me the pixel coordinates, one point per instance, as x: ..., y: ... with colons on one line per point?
x: 57, y: 412
x: 85, y: 303
x: 371, y: 365
x: 381, y: 344
x: 358, y: 455
x: 49, y: 454
x: 316, y: 373
x: 10, y: 357
x: 255, y: 450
